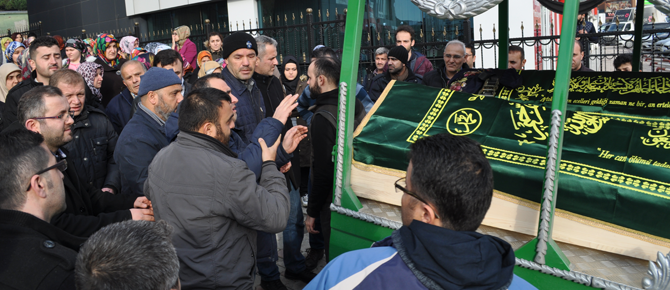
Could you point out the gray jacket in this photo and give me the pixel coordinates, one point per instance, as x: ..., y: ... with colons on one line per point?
x: 213, y: 202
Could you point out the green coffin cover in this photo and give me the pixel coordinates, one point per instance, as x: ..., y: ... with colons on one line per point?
x: 615, y: 164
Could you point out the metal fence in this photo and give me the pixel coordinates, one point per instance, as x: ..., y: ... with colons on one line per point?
x: 35, y: 27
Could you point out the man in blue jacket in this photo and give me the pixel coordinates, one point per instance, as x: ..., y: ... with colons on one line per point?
x: 446, y: 193
x: 122, y: 107
x: 144, y: 135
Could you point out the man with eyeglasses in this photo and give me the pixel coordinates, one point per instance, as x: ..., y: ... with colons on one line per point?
x: 454, y: 61
x: 447, y: 191
x: 44, y: 110
x: 34, y: 253
x: 397, y: 70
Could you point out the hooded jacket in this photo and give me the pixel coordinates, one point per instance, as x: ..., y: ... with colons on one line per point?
x: 423, y: 256
x: 216, y: 207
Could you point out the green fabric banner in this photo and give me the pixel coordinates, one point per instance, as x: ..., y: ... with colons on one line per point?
x: 615, y: 164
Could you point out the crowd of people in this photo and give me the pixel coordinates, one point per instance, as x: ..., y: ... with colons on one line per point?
x: 161, y: 167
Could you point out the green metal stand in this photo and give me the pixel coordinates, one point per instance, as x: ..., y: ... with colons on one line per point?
x: 554, y: 256
x: 503, y: 34
x: 637, y: 44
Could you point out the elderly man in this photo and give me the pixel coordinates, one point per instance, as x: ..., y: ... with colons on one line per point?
x: 44, y: 110
x: 216, y: 216
x: 32, y: 194
x: 45, y: 59
x: 381, y: 59
x: 92, y: 148
x: 144, y: 135
x: 137, y: 255
x: 577, y: 57
x: 416, y: 62
x: 397, y: 70
x: 122, y: 107
x: 445, y: 195
x: 454, y: 61
x: 516, y: 58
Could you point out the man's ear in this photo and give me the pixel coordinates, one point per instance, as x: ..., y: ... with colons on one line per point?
x: 37, y: 186
x: 33, y: 125
x: 152, y: 98
x: 32, y: 64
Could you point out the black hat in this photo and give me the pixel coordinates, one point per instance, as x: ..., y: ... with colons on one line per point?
x: 236, y: 41
x: 400, y: 53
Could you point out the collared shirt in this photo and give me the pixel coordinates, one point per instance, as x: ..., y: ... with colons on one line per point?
x: 151, y: 114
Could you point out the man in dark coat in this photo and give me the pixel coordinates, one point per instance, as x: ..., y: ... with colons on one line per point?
x: 46, y: 59
x: 397, y: 70
x: 273, y: 93
x: 454, y: 61
x: 144, y: 135
x: 446, y: 193
x: 92, y: 148
x: 45, y: 111
x: 27, y: 239
x: 379, y: 67
x: 122, y: 107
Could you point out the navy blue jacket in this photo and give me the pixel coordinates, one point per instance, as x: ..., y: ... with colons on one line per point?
x: 250, y: 105
x: 139, y: 142
x: 423, y: 256
x: 119, y: 110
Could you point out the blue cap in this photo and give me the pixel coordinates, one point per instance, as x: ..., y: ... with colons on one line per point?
x: 157, y: 78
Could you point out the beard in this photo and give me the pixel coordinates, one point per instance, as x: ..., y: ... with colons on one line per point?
x: 163, y: 109
x: 221, y: 136
x: 316, y: 90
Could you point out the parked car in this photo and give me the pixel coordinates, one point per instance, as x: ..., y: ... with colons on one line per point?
x: 648, y: 39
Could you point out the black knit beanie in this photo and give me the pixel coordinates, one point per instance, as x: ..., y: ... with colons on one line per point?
x: 400, y: 53
x: 236, y: 41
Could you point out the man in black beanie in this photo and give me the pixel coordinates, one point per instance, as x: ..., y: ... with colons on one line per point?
x: 397, y: 70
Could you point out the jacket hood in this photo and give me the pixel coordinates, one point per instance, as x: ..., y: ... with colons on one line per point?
x: 455, y: 259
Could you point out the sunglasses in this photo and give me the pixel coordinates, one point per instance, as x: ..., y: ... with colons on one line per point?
x: 61, y: 165
x: 401, y: 184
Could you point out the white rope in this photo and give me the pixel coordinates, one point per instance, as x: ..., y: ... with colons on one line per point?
x: 545, y: 214
x: 340, y: 144
x: 394, y: 225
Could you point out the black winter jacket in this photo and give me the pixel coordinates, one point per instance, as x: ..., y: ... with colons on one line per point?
x: 380, y: 81
x: 92, y: 149
x: 437, y: 78
x: 112, y: 83
x: 35, y: 254
x: 13, y: 97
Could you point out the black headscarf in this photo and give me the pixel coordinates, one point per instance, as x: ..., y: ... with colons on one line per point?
x: 290, y: 85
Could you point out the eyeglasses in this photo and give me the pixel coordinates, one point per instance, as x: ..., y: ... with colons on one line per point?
x: 401, y: 185
x: 59, y: 117
x: 61, y: 165
x: 455, y: 56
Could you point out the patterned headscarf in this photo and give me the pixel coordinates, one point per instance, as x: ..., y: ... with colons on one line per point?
x: 77, y: 44
x: 88, y: 70
x: 146, y: 59
x: 24, y: 65
x: 128, y: 44
x: 11, y: 47
x: 183, y: 32
x: 101, y: 44
x: 4, y: 42
x: 137, y: 51
x: 156, y: 47
x: 203, y: 54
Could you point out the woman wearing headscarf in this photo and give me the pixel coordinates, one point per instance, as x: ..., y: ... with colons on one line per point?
x: 13, y: 51
x: 107, y: 55
x: 128, y: 44
x: 203, y: 56
x: 75, y: 50
x: 185, y: 46
x: 146, y: 59
x: 17, y: 37
x: 289, y: 75
x: 92, y: 73
x: 10, y: 75
x: 3, y: 44
x: 215, y: 45
x: 24, y: 64
x: 208, y: 68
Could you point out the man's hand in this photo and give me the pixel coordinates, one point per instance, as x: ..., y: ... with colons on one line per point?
x: 309, y: 224
x: 269, y: 154
x: 293, y: 138
x: 142, y: 214
x: 285, y: 108
x: 285, y: 168
x: 142, y: 202
x: 107, y: 189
